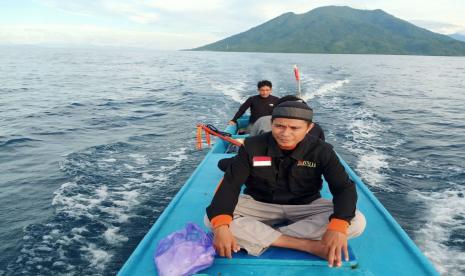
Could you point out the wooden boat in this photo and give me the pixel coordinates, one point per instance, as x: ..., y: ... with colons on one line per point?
x: 383, y: 249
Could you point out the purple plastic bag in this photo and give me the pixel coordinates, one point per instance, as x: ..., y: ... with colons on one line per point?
x: 184, y: 252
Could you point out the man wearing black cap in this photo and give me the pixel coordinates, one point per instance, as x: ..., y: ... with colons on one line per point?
x: 263, y: 124
x: 282, y: 173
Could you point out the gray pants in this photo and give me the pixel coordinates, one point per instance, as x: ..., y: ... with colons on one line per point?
x: 252, y: 226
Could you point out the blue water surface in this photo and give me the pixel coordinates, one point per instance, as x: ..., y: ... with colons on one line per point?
x: 94, y: 143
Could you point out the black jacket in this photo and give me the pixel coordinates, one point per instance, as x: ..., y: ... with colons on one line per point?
x: 293, y: 179
x: 258, y: 107
x: 317, y: 131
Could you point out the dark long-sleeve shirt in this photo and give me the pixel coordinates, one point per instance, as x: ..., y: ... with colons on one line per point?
x: 258, y: 107
x: 317, y: 132
x: 280, y: 178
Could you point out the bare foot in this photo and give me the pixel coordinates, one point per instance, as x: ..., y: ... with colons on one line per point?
x: 313, y: 247
x: 317, y: 248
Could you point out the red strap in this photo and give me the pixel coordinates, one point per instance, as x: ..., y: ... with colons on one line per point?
x: 222, y: 137
x: 199, y: 138
x: 207, y: 138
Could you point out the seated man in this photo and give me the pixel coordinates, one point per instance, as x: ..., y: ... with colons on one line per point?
x: 282, y: 172
x: 263, y: 124
x: 260, y: 105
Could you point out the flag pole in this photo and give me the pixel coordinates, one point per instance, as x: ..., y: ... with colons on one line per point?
x: 297, y: 78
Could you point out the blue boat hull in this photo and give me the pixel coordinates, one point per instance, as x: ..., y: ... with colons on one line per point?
x: 383, y: 249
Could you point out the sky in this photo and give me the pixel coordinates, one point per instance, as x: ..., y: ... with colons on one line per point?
x: 183, y: 24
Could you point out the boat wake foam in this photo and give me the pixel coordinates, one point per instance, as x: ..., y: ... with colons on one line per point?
x: 108, y: 184
x: 365, y: 139
x: 443, y: 226
x: 324, y: 89
x: 234, y: 91
x: 362, y: 133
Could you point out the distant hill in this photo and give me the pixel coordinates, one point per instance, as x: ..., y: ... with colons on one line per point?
x: 458, y: 36
x: 339, y: 30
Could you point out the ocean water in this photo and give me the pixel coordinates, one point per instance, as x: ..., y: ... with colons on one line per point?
x: 94, y: 143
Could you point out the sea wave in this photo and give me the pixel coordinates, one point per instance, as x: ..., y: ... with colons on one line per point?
x: 23, y: 141
x: 91, y: 209
x: 235, y: 91
x: 364, y: 139
x: 324, y: 89
x: 443, y: 223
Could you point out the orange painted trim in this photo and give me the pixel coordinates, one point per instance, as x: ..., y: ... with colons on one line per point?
x: 198, y: 144
x: 221, y: 220
x: 338, y: 225
x: 207, y: 138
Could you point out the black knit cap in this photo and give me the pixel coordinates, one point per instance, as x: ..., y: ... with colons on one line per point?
x: 293, y: 110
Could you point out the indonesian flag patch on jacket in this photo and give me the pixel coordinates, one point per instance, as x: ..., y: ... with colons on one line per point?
x: 261, y: 161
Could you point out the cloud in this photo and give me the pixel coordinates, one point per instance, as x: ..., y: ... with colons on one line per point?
x: 139, y: 11
x: 438, y: 27
x: 185, y: 6
x: 82, y: 7
x: 206, y: 21
x: 144, y: 18
x: 135, y: 11
x: 98, y: 36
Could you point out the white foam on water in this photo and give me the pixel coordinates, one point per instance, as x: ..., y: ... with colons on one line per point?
x: 112, y: 236
x: 324, y: 90
x: 308, y: 80
x: 129, y: 167
x: 34, y: 255
x: 102, y: 193
x: 118, y: 214
x: 364, y: 128
x: 364, y: 140
x: 162, y: 177
x: 77, y: 230
x: 178, y: 155
x: 79, y: 204
x: 147, y: 176
x: 456, y: 169
x: 371, y: 164
x: 364, y: 132
x: 98, y: 258
x: 445, y: 216
x: 105, y: 204
x: 234, y: 91
x: 130, y: 197
x: 109, y: 160
x: 139, y: 158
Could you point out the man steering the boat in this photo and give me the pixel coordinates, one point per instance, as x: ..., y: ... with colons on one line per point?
x: 282, y: 171
x: 260, y: 105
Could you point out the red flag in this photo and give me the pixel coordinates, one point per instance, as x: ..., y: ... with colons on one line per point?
x: 261, y: 161
x: 296, y: 72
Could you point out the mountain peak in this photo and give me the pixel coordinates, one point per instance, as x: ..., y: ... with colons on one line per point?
x: 339, y: 29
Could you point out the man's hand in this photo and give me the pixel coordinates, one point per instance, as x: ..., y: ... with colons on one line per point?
x: 240, y: 140
x: 224, y: 241
x: 232, y: 123
x: 336, y: 242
